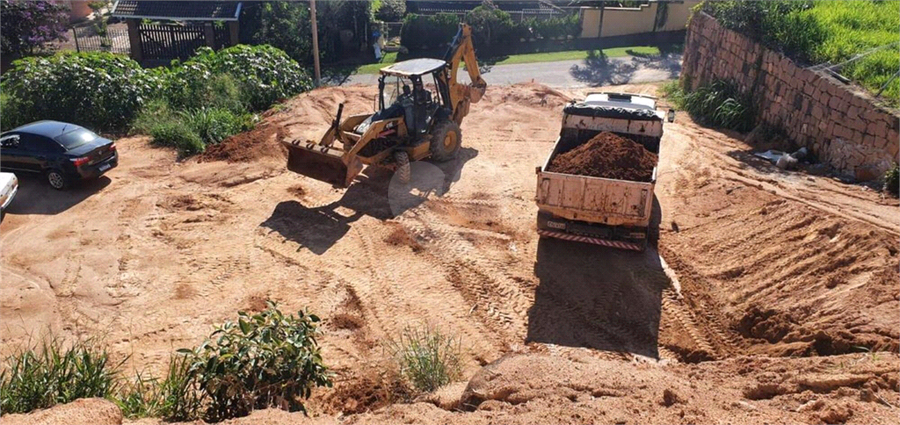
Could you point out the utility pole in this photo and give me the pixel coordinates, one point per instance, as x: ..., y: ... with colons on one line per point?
x: 315, y: 40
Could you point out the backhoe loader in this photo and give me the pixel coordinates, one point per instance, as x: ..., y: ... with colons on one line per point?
x: 420, y: 107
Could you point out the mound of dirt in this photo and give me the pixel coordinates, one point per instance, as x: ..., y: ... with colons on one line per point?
x: 609, y: 156
x: 260, y: 142
x: 82, y: 411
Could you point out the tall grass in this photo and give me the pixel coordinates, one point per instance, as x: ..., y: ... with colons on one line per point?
x: 40, y: 377
x: 853, y: 27
x: 719, y: 104
x: 426, y: 357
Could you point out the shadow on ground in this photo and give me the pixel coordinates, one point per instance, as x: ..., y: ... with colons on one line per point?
x: 597, y: 297
x: 599, y: 70
x: 35, y: 195
x: 375, y: 193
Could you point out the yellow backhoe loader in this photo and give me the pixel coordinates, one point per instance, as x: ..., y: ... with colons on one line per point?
x: 420, y: 108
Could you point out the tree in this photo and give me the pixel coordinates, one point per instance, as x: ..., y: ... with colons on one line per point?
x: 390, y: 10
x: 28, y: 25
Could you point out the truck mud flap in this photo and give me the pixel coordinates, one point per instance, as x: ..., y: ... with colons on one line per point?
x: 322, y: 163
x: 590, y: 240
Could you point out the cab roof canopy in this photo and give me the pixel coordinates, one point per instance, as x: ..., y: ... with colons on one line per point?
x: 413, y: 67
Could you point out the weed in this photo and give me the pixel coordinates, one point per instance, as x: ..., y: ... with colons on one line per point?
x: 213, y: 125
x: 39, y: 377
x: 426, y: 357
x: 179, y: 134
x: 892, y: 180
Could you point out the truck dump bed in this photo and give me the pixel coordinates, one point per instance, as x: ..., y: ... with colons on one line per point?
x: 604, y: 211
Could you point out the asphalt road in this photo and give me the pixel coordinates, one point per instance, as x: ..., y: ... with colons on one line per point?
x: 571, y: 73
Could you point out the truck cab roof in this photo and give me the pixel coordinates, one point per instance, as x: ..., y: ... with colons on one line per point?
x: 413, y: 67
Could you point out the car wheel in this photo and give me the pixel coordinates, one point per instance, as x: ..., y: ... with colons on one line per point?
x: 57, y: 179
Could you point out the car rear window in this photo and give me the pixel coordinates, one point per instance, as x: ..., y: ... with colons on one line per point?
x: 76, y: 138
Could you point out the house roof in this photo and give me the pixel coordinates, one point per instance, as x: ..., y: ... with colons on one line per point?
x: 413, y: 67
x: 178, y: 10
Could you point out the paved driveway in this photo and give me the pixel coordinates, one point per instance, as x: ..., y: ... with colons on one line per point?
x: 572, y: 73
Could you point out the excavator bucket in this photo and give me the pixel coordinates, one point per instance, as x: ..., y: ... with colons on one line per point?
x: 322, y: 163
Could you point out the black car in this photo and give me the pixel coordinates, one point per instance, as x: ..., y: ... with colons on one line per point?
x: 62, y: 152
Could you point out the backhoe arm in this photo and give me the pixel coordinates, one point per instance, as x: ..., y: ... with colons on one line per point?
x: 461, y: 95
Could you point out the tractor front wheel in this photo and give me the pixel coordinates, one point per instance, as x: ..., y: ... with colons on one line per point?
x: 403, y: 171
x: 446, y: 140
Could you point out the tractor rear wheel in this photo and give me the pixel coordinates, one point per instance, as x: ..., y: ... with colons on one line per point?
x: 403, y: 171
x: 446, y: 140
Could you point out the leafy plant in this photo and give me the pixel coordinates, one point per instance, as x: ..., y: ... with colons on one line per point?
x: 426, y: 357
x: 491, y: 26
x: 99, y: 90
x: 37, y: 378
x: 267, y: 359
x: 28, y: 25
x: 892, y: 180
x: 215, y: 124
x: 428, y: 31
x: 390, y: 10
x: 720, y: 104
x: 9, y: 114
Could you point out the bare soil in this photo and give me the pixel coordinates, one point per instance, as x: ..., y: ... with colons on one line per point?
x: 609, y: 156
x: 772, y: 296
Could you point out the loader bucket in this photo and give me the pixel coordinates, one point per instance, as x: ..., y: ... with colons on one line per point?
x: 322, y: 163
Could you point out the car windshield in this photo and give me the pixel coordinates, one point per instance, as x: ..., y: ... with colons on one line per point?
x: 394, y: 87
x: 76, y: 138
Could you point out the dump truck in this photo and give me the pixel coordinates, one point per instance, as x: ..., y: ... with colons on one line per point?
x: 610, y: 212
x: 421, y: 106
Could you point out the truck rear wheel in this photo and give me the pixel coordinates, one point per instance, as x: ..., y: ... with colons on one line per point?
x: 446, y: 140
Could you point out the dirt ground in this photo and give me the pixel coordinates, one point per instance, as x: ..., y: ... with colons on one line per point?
x: 765, y: 301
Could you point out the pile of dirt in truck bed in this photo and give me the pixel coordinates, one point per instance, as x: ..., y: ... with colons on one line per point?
x: 609, y: 156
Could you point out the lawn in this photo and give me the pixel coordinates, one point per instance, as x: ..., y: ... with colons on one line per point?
x: 614, y: 52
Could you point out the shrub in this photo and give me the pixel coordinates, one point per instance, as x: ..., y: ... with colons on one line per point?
x: 175, y: 132
x: 284, y: 25
x: 491, y: 26
x: 213, y: 125
x: 426, y: 357
x: 9, y: 112
x: 554, y: 28
x: 428, y: 31
x: 98, y: 90
x: 892, y: 180
x: 263, y: 360
x: 37, y: 378
x: 263, y: 74
x: 720, y: 104
x: 390, y: 10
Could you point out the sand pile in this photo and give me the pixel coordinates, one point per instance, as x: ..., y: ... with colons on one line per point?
x: 260, y: 142
x: 609, y: 156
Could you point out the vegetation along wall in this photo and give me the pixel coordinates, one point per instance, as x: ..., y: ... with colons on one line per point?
x: 839, y: 123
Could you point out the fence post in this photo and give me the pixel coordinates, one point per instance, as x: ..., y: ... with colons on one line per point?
x: 210, y: 35
x: 75, y: 35
x: 134, y: 39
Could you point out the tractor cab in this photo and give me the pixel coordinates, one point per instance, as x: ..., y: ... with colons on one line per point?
x: 416, y: 90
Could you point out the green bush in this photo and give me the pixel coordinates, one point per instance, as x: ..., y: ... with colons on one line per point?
x: 389, y: 10
x: 426, y: 357
x: 428, y: 31
x: 263, y: 360
x: 37, y: 378
x: 555, y: 28
x: 9, y: 113
x: 215, y: 124
x: 892, y: 180
x: 177, y: 133
x: 492, y: 26
x: 97, y: 90
x: 263, y: 74
x: 719, y: 104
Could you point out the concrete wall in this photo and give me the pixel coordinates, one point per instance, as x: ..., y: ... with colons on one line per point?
x: 841, y: 124
x: 638, y: 20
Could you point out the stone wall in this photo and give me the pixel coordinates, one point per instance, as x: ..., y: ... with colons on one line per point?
x: 839, y: 123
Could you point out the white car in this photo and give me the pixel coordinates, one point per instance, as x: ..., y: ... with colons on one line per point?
x: 9, y: 185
